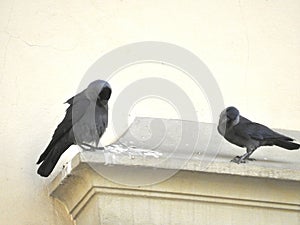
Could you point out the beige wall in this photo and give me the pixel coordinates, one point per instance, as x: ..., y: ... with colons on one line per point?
x: 251, y: 47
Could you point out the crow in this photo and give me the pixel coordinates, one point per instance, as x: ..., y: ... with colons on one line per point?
x: 242, y: 132
x: 84, y: 123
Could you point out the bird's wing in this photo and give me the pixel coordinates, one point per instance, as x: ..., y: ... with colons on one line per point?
x: 262, y: 133
x: 73, y: 113
x: 242, y: 130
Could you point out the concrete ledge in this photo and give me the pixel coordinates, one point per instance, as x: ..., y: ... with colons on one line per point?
x: 136, y: 181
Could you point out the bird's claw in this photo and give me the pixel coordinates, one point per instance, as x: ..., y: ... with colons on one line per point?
x: 98, y: 148
x: 90, y: 147
x: 238, y: 160
x: 87, y: 149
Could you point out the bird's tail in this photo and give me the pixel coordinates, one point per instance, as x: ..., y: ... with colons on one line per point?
x: 52, y: 158
x: 287, y: 144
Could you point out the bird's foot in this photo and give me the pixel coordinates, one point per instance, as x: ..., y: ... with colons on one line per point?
x: 98, y: 148
x: 238, y: 160
x: 90, y: 147
x: 87, y: 149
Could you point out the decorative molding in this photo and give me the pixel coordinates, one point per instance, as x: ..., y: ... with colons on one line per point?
x: 270, y: 187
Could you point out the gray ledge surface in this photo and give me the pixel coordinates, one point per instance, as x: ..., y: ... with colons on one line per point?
x: 172, y: 145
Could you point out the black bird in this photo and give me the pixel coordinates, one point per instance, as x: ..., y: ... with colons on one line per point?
x: 84, y: 123
x: 244, y: 133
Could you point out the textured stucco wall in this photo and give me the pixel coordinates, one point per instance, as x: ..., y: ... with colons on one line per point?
x: 251, y: 47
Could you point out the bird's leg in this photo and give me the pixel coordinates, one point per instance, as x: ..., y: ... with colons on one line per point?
x: 250, y: 151
x: 243, y: 158
x: 250, y: 159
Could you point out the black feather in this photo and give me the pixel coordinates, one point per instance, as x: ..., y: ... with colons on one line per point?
x: 85, y: 122
x: 242, y: 132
